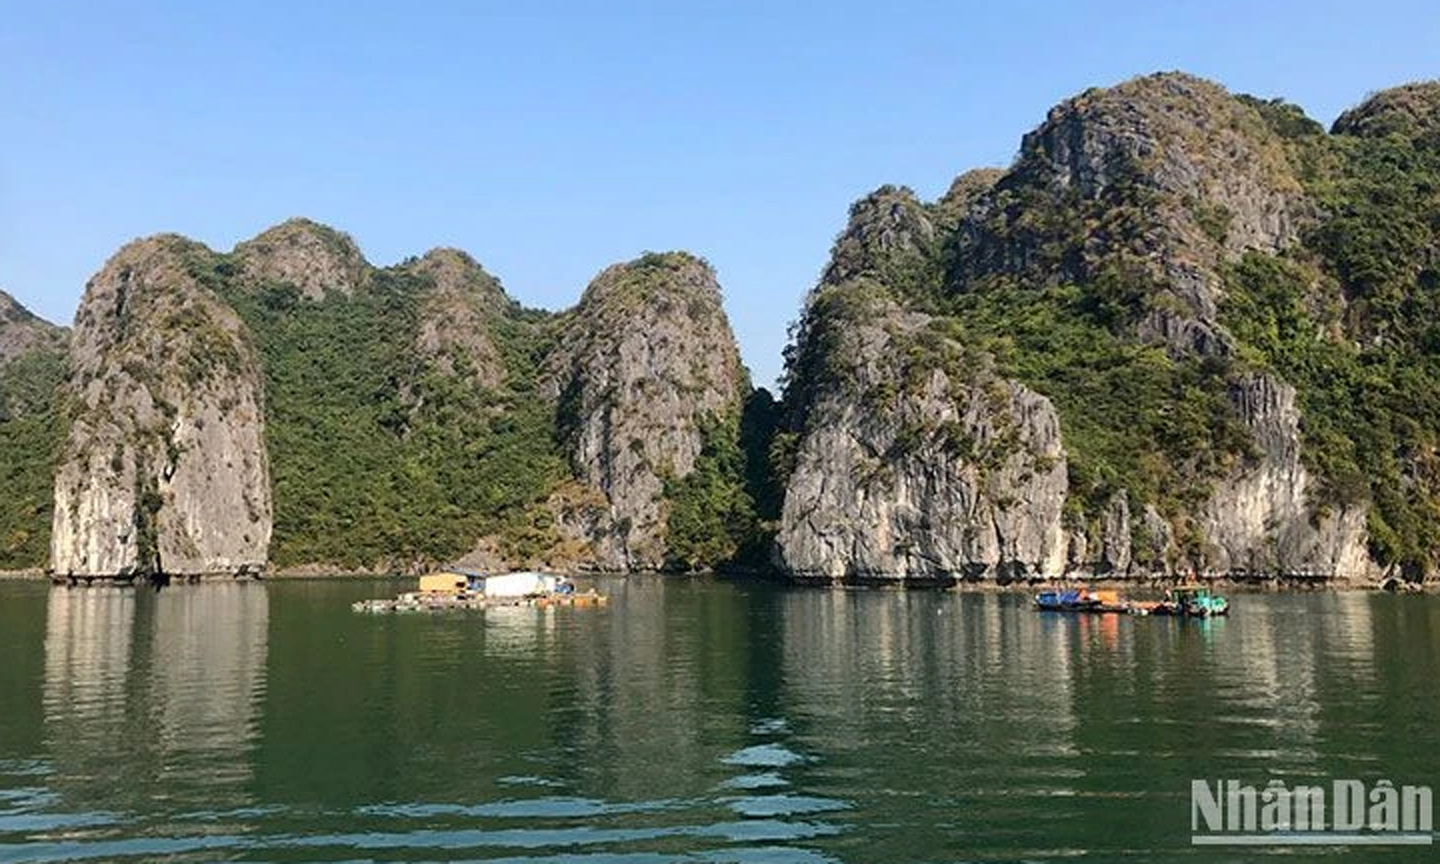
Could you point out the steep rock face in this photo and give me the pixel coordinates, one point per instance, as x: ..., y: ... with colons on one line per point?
x: 1157, y: 185
x: 917, y: 462
x: 644, y: 362
x: 890, y: 238
x: 1115, y: 554
x: 965, y: 192
x: 1214, y: 181
x: 1120, y: 231
x: 1158, y: 180
x: 914, y: 459
x: 314, y: 258
x: 165, y: 467
x: 1262, y: 518
x: 456, y: 316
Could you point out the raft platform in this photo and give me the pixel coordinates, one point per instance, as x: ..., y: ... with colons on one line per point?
x: 415, y: 601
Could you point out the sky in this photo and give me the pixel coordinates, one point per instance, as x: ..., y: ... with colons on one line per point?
x: 550, y: 140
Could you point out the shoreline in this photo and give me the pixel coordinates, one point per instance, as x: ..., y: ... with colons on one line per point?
x: 1139, y: 584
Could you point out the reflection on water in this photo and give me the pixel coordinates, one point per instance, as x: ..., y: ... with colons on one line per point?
x: 654, y: 688
x: 517, y: 632
x: 154, y: 697
x: 88, y: 637
x: 89, y: 719
x: 207, y: 659
x: 690, y: 720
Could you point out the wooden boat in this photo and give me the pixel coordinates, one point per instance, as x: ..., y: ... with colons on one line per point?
x: 1189, y: 601
x: 1182, y: 601
x: 1080, y: 600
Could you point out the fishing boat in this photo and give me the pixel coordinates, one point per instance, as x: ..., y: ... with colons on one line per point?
x: 1188, y: 601
x: 1080, y: 600
x: 1182, y: 601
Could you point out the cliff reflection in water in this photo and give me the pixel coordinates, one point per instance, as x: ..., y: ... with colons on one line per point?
x: 660, y: 686
x: 689, y: 718
x: 89, y: 719
x: 155, y: 695
x: 966, y: 668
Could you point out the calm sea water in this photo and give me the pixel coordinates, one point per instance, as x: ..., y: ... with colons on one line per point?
x: 691, y: 720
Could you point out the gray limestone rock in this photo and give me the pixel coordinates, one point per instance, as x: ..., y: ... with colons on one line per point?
x: 22, y: 332
x: 457, y: 314
x: 1263, y: 517
x: 917, y: 461
x: 165, y: 467
x: 314, y: 258
x: 644, y: 361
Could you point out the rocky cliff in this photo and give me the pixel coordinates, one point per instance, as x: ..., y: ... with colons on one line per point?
x: 1185, y: 331
x: 644, y: 364
x: 1261, y: 518
x: 918, y: 461
x: 1168, y: 175
x: 458, y: 314
x: 165, y: 468
x: 390, y: 418
x: 403, y: 421
x: 1137, y: 265
x: 314, y: 258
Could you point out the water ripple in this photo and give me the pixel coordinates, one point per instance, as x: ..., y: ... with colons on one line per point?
x: 764, y: 756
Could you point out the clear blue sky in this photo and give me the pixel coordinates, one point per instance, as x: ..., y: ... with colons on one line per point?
x: 552, y: 139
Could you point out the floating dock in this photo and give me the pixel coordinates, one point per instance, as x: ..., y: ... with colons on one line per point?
x: 417, y: 601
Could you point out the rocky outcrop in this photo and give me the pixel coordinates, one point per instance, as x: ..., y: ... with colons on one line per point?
x: 1265, y: 517
x: 1411, y: 111
x: 965, y: 192
x: 457, y: 314
x: 1115, y: 553
x: 1138, y: 199
x: 1158, y: 180
x: 644, y: 362
x: 890, y: 238
x: 916, y: 461
x: 21, y: 331
x: 314, y: 258
x: 165, y: 467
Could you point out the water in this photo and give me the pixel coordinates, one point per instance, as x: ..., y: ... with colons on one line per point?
x: 691, y: 720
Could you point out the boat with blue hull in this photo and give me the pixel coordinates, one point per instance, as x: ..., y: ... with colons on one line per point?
x: 1182, y: 601
x: 1080, y: 600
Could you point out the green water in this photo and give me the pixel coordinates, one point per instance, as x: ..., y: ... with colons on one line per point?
x: 691, y: 720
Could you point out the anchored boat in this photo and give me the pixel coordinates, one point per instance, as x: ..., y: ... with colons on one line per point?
x: 1080, y: 600
x: 1187, y: 601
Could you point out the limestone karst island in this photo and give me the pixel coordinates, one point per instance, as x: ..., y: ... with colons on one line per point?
x: 740, y: 433
x: 1187, y: 331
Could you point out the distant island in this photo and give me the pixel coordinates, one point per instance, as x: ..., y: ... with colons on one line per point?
x: 1186, y: 332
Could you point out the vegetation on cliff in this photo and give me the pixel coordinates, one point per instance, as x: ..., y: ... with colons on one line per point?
x: 31, y: 432
x: 1156, y: 248
x: 1154, y: 245
x: 381, y: 456
x: 1352, y: 318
